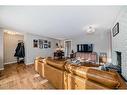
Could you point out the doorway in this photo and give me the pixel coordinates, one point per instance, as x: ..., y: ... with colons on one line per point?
x: 67, y: 48
x: 11, y: 40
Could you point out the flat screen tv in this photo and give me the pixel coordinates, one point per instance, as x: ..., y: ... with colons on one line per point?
x: 85, y: 48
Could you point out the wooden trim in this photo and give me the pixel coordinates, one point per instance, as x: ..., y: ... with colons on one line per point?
x: 10, y: 62
x: 1, y: 68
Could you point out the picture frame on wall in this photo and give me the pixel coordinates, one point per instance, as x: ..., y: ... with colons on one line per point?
x: 40, y: 43
x: 49, y: 44
x: 35, y: 43
x: 45, y: 45
x: 115, y: 29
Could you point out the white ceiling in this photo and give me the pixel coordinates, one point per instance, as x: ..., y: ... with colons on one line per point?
x: 60, y: 22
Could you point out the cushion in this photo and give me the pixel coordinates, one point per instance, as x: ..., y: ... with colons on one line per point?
x: 56, y: 63
x: 76, y: 82
x: 102, y: 77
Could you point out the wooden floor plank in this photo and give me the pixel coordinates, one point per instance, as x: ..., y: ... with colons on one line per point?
x: 21, y: 76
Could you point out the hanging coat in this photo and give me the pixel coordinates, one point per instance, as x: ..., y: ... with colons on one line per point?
x: 20, y: 50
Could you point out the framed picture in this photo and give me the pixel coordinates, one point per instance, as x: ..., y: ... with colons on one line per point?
x: 49, y: 44
x: 115, y: 29
x: 35, y: 43
x: 40, y: 43
x: 45, y: 45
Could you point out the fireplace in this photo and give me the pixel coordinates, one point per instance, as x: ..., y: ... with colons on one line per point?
x: 119, y: 61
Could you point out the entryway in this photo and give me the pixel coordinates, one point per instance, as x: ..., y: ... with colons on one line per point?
x: 67, y: 48
x: 13, y: 45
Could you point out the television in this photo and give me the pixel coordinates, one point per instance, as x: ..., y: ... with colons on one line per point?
x: 85, y: 48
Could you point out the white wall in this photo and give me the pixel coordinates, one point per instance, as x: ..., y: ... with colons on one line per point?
x: 31, y: 52
x: 1, y: 50
x: 100, y: 40
x: 119, y: 42
x: 10, y: 44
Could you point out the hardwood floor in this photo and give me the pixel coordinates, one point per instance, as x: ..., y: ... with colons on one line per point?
x: 21, y: 76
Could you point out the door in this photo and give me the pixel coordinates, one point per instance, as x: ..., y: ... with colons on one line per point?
x: 67, y: 48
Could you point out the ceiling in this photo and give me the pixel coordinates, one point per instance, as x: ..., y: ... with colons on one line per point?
x: 60, y: 22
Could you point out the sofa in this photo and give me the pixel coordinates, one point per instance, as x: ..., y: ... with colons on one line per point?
x: 64, y: 75
x: 39, y: 66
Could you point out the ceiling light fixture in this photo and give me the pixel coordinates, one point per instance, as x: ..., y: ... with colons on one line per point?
x: 90, y: 29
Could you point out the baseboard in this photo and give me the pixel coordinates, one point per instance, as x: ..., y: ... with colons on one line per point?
x: 16, y: 62
x: 10, y: 62
x: 29, y: 63
x: 1, y: 68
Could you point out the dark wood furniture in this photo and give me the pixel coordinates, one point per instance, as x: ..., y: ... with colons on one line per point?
x: 58, y: 54
x: 72, y: 55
